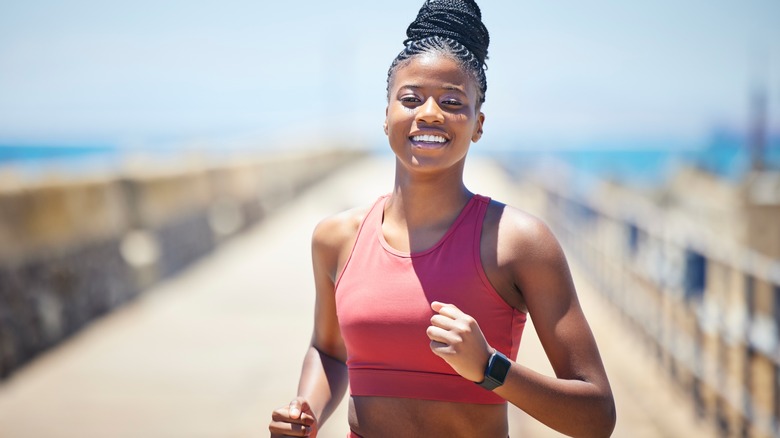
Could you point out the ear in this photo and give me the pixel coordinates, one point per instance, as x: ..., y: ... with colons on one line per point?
x: 385, y: 124
x: 478, y: 128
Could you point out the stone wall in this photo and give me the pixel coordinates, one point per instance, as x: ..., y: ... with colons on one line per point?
x: 72, y: 251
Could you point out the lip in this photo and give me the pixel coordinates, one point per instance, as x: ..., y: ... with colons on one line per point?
x: 427, y: 145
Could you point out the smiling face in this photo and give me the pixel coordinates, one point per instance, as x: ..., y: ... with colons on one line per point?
x: 432, y: 113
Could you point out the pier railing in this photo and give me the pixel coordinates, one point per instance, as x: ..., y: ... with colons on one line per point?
x: 708, y: 310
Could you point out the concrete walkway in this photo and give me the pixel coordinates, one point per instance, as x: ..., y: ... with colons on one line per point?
x: 213, y: 351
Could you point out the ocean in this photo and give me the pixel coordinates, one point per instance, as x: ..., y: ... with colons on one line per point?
x: 39, y: 161
x: 644, y: 166
x: 725, y: 156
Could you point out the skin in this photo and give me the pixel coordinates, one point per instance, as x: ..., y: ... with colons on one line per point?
x: 522, y: 259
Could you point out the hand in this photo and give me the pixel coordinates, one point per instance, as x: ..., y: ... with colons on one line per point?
x: 457, y: 338
x: 296, y: 419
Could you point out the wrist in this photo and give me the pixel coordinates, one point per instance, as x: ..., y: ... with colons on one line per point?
x: 477, y: 374
x: 496, y: 371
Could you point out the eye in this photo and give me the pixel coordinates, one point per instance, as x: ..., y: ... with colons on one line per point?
x: 451, y: 102
x: 409, y: 99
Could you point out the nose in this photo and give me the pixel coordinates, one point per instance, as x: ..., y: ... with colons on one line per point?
x: 430, y: 112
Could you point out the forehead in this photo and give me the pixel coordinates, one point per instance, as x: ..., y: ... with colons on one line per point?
x: 433, y: 70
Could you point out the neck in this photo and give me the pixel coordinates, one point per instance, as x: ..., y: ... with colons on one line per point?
x: 425, y: 200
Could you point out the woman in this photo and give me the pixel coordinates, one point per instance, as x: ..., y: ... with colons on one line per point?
x: 422, y: 297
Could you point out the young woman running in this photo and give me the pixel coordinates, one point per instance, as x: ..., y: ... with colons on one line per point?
x: 421, y: 298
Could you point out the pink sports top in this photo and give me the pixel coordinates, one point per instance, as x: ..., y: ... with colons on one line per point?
x: 383, y: 302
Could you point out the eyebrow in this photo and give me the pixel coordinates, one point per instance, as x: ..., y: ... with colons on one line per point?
x: 450, y: 87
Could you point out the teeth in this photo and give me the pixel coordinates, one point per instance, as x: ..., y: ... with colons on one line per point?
x: 429, y: 138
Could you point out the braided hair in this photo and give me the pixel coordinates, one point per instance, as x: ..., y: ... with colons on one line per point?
x: 453, y: 28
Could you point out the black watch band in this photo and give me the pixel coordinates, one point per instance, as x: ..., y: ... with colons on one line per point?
x: 496, y: 371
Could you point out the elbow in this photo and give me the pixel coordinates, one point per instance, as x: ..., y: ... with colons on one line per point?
x: 598, y: 421
x: 610, y: 417
x: 605, y: 419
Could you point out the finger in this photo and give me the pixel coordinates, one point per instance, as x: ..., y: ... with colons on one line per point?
x: 457, y: 325
x: 282, y: 415
x: 444, y: 322
x: 449, y: 310
x: 437, y: 305
x: 440, y: 349
x: 295, y: 408
x: 304, y: 405
x: 288, y: 429
x: 298, y: 406
x: 441, y: 335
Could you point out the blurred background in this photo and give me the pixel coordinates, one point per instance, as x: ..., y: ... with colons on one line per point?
x: 147, y: 147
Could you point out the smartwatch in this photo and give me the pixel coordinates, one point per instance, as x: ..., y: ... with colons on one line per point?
x: 496, y: 371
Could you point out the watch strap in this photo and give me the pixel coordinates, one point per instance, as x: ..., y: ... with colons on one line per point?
x: 495, y: 372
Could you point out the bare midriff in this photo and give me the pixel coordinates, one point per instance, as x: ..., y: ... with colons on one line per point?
x: 378, y: 417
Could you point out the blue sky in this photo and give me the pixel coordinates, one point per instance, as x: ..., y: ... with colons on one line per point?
x: 560, y: 72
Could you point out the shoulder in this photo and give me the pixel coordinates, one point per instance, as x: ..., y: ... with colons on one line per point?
x: 336, y: 230
x: 521, y: 236
x: 333, y: 238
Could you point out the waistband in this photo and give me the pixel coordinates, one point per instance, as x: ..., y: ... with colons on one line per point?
x: 419, y: 385
x: 354, y: 435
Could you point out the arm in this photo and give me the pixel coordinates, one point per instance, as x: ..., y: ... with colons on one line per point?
x: 578, y: 401
x: 323, y: 378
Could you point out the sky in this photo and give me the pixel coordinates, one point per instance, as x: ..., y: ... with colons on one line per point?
x: 565, y: 72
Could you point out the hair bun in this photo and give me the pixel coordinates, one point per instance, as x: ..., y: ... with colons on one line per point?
x: 460, y: 20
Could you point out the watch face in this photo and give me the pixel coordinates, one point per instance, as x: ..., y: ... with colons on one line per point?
x: 499, y: 368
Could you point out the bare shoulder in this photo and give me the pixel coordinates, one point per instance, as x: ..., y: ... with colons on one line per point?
x: 333, y: 239
x: 336, y: 230
x: 528, y: 252
x: 521, y: 235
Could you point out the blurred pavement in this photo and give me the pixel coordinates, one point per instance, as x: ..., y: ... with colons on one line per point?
x: 211, y: 352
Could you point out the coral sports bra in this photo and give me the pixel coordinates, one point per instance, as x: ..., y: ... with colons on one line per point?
x: 383, y: 302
